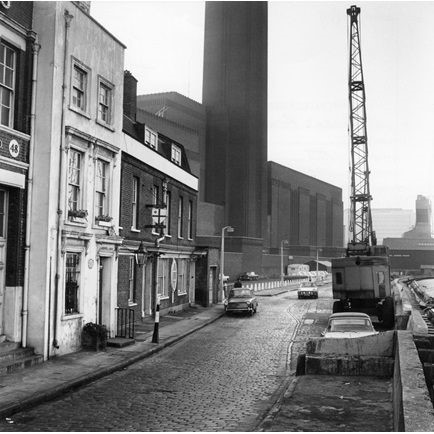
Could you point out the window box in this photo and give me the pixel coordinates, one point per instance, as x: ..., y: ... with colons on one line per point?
x: 77, y: 214
x: 104, y: 220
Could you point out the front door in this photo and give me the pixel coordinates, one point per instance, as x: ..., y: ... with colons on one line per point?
x: 3, y: 232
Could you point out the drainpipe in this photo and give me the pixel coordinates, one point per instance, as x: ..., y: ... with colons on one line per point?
x: 61, y: 192
x: 25, y: 303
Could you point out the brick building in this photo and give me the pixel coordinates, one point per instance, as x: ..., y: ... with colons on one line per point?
x: 155, y: 177
x: 18, y: 54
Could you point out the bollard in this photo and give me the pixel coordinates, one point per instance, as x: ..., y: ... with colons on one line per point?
x: 156, y: 322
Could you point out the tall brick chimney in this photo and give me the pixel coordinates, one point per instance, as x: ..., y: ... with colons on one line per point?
x: 130, y: 95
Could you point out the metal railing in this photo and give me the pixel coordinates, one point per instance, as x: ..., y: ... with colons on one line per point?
x: 124, y: 322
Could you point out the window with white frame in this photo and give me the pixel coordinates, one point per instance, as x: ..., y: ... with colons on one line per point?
x: 79, y: 91
x: 135, y: 203
x: 168, y: 211
x: 176, y: 154
x: 105, y: 102
x: 72, y: 283
x: 190, y: 220
x: 182, y: 276
x: 163, y: 277
x: 155, y: 194
x: 151, y: 138
x: 101, y: 188
x: 132, y: 280
x: 74, y: 180
x: 7, y: 83
x: 180, y: 216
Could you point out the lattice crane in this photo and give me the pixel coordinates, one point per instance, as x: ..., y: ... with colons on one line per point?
x: 363, y: 235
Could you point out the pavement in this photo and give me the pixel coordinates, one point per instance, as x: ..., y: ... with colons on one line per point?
x: 33, y: 385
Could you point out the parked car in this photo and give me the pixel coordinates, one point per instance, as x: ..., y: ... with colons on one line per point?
x: 349, y: 325
x: 251, y: 275
x: 241, y: 300
x: 307, y: 290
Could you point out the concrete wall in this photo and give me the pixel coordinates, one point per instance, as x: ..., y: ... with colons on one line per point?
x: 412, y: 406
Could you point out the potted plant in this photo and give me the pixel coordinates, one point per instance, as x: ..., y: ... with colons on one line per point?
x: 94, y: 336
x: 104, y: 220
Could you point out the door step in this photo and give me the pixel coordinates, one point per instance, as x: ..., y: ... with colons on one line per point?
x: 12, y: 357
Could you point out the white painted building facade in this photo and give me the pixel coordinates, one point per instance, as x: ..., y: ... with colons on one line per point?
x: 74, y: 238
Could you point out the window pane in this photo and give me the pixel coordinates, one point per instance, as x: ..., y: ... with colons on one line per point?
x: 72, y: 282
x: 9, y: 76
x: 10, y: 57
x: 6, y: 97
x: 5, y: 116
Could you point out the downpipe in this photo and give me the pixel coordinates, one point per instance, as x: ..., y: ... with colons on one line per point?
x: 60, y: 198
x: 25, y: 303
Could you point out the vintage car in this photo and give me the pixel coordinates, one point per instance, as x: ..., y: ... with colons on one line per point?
x: 241, y: 300
x: 349, y: 325
x: 307, y: 290
x: 250, y: 275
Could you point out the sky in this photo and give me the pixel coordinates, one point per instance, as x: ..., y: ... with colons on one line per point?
x: 308, y: 108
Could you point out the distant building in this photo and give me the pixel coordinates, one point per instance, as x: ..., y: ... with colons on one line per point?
x: 414, y: 251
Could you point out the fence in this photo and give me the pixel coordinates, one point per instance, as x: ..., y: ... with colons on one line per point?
x: 124, y: 322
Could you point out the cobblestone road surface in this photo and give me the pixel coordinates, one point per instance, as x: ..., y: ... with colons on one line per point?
x: 224, y: 377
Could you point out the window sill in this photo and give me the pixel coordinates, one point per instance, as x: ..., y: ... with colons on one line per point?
x: 103, y: 124
x: 163, y: 297
x: 132, y: 303
x: 66, y: 317
x: 79, y: 112
x: 182, y: 293
x: 180, y: 238
x: 135, y: 230
x: 76, y: 222
x: 190, y: 239
x: 167, y: 235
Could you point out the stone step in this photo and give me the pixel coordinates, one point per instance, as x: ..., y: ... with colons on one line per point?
x: 6, y: 346
x: 16, y: 354
x: 20, y: 363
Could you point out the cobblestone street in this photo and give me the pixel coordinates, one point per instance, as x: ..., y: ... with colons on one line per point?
x: 223, y: 378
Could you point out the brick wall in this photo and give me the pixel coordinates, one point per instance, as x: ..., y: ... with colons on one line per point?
x: 21, y: 12
x: 148, y: 177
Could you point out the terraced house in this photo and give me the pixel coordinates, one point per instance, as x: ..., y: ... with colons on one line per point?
x: 74, y: 239
x: 18, y: 56
x: 157, y: 217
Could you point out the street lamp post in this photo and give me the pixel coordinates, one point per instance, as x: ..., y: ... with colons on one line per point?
x: 281, y: 260
x: 222, y: 257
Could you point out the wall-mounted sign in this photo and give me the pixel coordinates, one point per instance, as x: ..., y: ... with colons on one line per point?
x: 174, y: 274
x: 14, y: 148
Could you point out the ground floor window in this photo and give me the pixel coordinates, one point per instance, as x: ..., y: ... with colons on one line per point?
x: 72, y: 283
x: 163, y: 277
x: 183, y: 271
x: 132, y: 280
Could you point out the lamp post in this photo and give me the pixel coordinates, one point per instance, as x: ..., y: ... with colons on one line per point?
x: 222, y: 257
x: 281, y: 260
x: 141, y: 255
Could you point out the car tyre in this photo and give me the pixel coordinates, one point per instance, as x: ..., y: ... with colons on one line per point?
x: 388, y: 315
x: 338, y: 306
